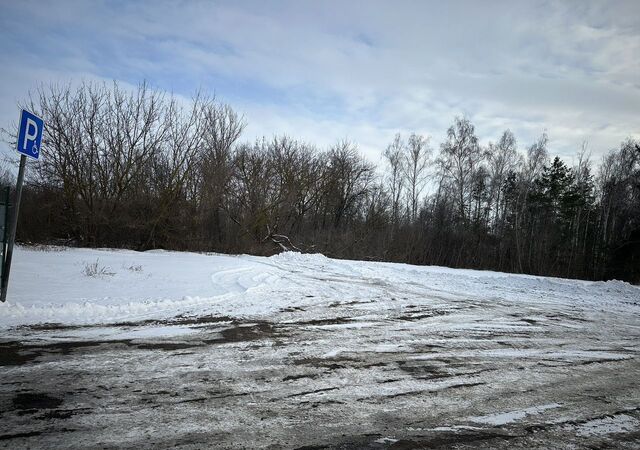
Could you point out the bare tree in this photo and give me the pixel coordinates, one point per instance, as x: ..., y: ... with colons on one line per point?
x: 502, y: 159
x: 459, y: 157
x: 213, y: 177
x: 348, y: 179
x: 98, y: 141
x: 415, y: 167
x: 395, y: 157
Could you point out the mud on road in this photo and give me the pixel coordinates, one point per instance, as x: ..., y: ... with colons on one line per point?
x: 412, y: 372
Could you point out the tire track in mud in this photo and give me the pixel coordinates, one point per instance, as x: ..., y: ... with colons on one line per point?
x: 333, y: 372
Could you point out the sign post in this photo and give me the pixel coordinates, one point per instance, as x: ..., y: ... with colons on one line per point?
x: 29, y: 141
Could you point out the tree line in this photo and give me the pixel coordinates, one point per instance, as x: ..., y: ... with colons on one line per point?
x: 142, y: 169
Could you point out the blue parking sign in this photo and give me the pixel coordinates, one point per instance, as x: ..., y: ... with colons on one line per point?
x: 30, y: 134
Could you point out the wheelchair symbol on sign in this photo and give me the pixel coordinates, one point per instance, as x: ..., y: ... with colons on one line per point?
x: 30, y: 134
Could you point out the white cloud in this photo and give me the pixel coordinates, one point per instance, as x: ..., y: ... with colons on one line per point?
x: 323, y: 71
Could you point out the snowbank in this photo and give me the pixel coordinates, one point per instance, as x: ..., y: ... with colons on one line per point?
x: 89, y: 286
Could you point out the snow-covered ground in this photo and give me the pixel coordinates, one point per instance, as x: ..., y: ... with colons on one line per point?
x: 113, y: 348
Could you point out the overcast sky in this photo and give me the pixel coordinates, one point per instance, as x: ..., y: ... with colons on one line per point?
x: 324, y: 70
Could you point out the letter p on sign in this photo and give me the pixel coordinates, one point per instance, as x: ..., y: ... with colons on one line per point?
x: 30, y: 134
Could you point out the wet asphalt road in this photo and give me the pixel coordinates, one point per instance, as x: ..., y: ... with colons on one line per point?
x: 417, y: 372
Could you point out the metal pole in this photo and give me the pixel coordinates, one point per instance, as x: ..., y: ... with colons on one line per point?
x: 12, y: 230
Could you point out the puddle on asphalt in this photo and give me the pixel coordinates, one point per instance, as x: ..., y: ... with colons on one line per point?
x: 17, y: 353
x: 34, y: 401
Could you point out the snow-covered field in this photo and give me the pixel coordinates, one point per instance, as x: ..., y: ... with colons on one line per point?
x: 107, y: 348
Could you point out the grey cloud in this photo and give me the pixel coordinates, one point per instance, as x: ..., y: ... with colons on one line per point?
x: 571, y: 68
